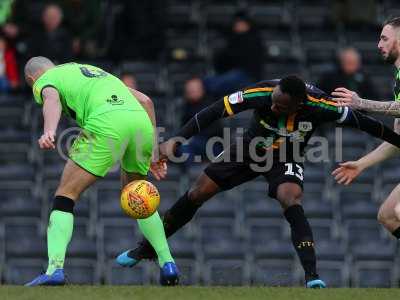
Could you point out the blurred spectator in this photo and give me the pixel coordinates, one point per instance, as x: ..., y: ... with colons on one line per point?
x: 195, y: 99
x: 129, y: 80
x: 53, y: 41
x: 239, y: 63
x: 9, y: 78
x: 349, y: 74
x: 85, y: 25
x: 139, y: 30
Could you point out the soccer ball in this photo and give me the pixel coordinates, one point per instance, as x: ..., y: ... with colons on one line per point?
x: 140, y: 199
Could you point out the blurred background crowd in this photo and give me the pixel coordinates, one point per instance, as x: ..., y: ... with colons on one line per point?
x: 185, y: 54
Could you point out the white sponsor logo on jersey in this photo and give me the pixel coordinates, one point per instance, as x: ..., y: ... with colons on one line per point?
x: 236, y: 98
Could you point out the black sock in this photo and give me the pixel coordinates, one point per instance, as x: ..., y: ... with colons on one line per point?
x: 396, y: 233
x: 62, y: 203
x: 302, y: 239
x: 176, y: 217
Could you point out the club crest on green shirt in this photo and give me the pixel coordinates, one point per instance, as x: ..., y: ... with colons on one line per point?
x: 115, y: 101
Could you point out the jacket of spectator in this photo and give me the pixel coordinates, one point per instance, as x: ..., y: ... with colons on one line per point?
x: 53, y: 40
x: 244, y: 49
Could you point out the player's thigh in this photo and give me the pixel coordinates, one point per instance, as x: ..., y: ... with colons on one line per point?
x: 286, y: 183
x: 390, y: 207
x: 223, y: 176
x: 96, y: 153
x: 74, y: 181
x: 203, y: 189
x: 137, y: 156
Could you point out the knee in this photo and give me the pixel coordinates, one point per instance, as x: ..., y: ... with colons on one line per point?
x: 289, y: 196
x: 387, y: 218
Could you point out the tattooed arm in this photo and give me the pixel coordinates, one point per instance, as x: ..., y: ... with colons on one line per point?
x: 345, y: 97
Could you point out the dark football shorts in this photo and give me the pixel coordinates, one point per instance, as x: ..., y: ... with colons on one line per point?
x: 228, y: 174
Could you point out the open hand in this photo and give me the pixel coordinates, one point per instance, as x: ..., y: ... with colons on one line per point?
x: 347, y: 172
x: 159, y: 169
x: 47, y: 140
x: 345, y: 97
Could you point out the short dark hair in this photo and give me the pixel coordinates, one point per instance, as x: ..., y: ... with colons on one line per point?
x: 393, y: 21
x: 295, y: 87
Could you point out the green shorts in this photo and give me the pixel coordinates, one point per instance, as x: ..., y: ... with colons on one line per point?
x: 120, y: 135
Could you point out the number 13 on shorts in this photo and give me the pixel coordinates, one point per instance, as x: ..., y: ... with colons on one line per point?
x: 294, y: 170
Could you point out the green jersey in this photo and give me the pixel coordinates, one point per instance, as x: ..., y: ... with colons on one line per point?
x: 396, y: 89
x: 85, y: 91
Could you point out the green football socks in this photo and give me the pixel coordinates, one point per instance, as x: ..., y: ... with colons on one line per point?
x: 59, y: 233
x: 153, y: 230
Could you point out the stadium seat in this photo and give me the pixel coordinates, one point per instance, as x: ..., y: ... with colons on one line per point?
x: 273, y: 272
x: 224, y: 204
x: 182, y: 14
x: 335, y: 273
x: 270, y: 14
x: 190, y: 270
x: 24, y: 238
x: 17, y: 172
x: 83, y: 243
x: 117, y: 275
x: 262, y: 231
x: 363, y: 230
x: 117, y: 235
x: 183, y: 246
x: 82, y: 271
x: 357, y: 204
x: 108, y: 199
x: 275, y: 249
x: 256, y: 201
x: 374, y: 250
x: 378, y: 274
x: 18, y: 199
x: 220, y: 15
x: 22, y: 270
x: 226, y: 272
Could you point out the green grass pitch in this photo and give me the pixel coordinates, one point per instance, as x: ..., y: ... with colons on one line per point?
x: 191, y: 293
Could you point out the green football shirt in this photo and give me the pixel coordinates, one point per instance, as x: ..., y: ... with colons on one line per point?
x: 85, y: 91
x: 396, y: 89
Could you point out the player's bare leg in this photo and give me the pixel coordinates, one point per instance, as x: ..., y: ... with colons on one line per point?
x: 290, y: 195
x: 73, y: 182
x: 389, y: 212
x: 153, y: 230
x: 180, y: 213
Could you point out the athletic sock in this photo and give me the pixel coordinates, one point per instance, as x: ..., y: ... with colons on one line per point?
x: 59, y: 232
x: 302, y: 239
x: 175, y: 218
x: 396, y: 233
x: 153, y: 230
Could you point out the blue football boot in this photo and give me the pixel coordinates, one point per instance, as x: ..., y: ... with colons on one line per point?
x: 169, y: 274
x: 315, y: 284
x: 132, y: 257
x: 55, y: 279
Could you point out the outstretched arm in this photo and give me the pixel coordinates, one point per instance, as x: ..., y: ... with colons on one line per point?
x: 345, y: 97
x: 51, y: 115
